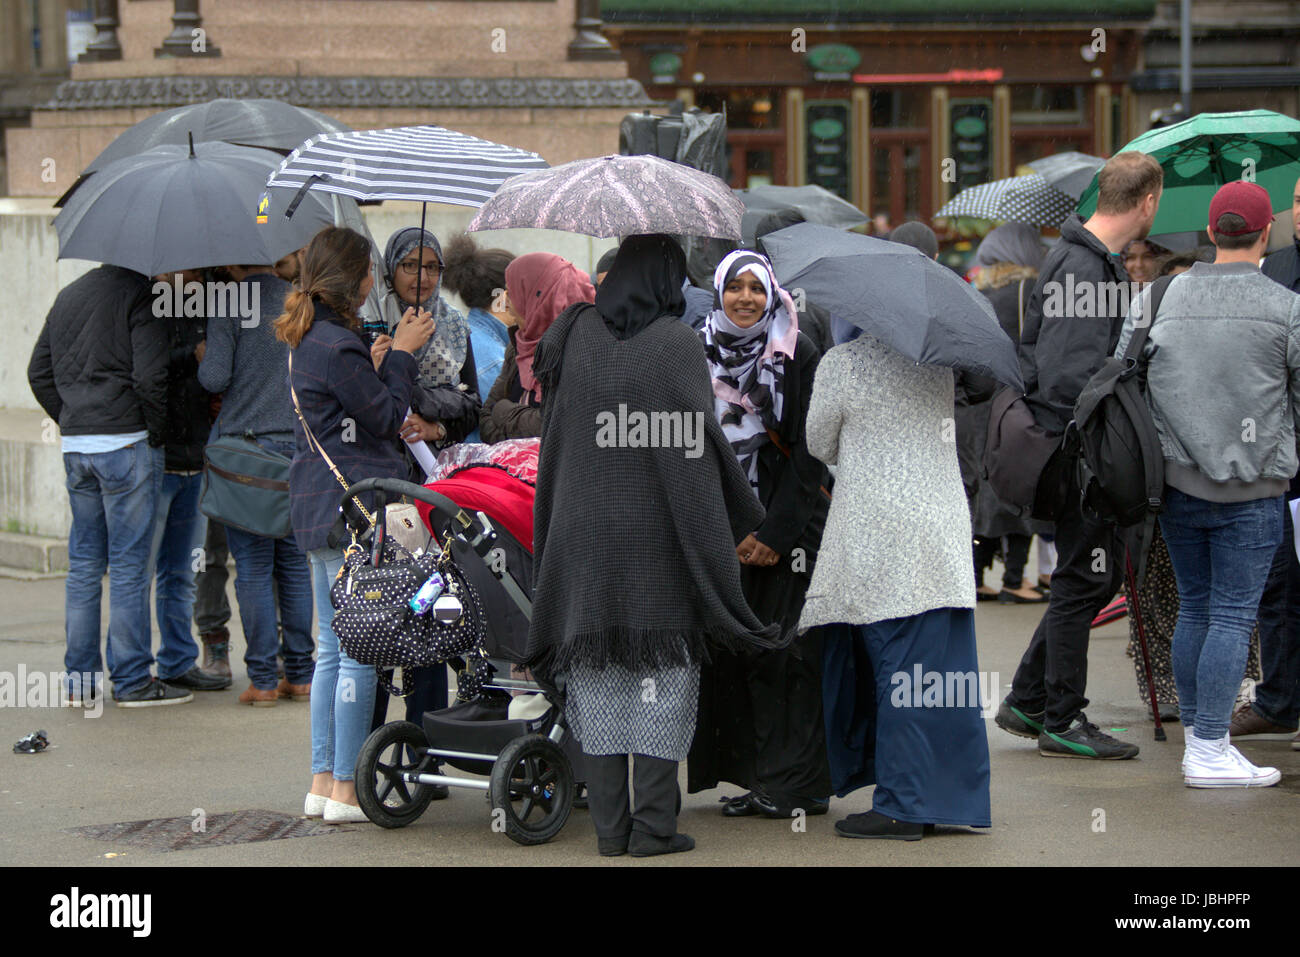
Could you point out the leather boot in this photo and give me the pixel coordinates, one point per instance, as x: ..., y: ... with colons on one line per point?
x: 216, y: 652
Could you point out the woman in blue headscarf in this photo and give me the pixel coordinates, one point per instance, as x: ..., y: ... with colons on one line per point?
x: 445, y: 404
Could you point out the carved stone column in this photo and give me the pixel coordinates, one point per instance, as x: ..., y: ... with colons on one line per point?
x: 589, y: 43
x: 184, y: 40
x: 105, y: 46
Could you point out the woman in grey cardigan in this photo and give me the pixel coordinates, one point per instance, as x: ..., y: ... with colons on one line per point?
x: 895, y: 576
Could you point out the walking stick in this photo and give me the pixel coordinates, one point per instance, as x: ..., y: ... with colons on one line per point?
x: 1135, y: 608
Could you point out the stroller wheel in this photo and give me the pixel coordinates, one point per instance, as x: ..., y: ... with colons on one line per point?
x: 531, y: 789
x: 386, y: 798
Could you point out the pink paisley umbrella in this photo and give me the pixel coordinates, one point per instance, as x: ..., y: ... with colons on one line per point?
x: 612, y: 196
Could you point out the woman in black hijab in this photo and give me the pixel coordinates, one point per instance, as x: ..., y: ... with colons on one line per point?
x: 640, y: 505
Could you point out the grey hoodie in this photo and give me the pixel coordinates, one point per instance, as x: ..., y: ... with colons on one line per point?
x: 1223, y: 383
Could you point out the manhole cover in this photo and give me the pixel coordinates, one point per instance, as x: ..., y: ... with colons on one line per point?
x: 187, y: 833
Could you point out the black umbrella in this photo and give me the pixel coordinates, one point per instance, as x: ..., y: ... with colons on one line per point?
x: 897, y: 294
x: 269, y: 124
x: 176, y: 207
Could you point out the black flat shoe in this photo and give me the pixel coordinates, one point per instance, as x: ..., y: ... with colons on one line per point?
x: 612, y: 846
x: 878, y: 826
x: 1008, y: 597
x: 647, y: 845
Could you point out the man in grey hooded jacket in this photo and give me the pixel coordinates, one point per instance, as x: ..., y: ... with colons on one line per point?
x: 1223, y: 385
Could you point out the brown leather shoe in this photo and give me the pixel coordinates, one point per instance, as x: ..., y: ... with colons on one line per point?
x: 260, y: 697
x: 296, y: 692
x: 1246, y: 723
x: 216, y: 652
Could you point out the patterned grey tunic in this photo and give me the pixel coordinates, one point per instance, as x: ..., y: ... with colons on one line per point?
x: 614, y: 710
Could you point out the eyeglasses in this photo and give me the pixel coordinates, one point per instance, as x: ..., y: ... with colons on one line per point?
x: 412, y: 267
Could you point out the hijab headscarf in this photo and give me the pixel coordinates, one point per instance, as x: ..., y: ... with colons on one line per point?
x: 1017, y: 243
x: 748, y: 365
x: 644, y: 284
x: 541, y: 286
x: 442, y: 357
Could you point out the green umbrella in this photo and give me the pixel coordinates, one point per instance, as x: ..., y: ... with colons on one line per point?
x: 1202, y: 153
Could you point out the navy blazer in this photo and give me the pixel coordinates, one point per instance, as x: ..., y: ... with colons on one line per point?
x: 354, y: 413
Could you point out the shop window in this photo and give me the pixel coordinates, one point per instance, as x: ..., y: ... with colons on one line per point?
x: 1052, y: 103
x: 746, y: 108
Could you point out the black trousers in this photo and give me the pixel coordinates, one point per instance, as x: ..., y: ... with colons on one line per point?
x: 1277, y: 696
x: 1017, y: 554
x: 1053, y: 674
x: 652, y: 808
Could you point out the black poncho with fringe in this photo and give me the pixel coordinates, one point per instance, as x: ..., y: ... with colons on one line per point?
x: 634, y: 545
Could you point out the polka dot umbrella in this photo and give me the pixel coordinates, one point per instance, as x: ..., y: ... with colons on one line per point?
x: 1018, y: 199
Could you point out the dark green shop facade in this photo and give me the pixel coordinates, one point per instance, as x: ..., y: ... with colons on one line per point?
x: 894, y: 104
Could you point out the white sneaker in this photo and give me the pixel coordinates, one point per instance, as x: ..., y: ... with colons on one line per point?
x: 1266, y: 777
x: 314, y: 806
x: 1210, y: 764
x: 336, y: 812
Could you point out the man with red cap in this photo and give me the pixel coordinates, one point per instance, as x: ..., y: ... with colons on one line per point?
x: 1230, y: 453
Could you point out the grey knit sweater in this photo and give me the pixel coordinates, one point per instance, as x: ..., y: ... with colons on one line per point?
x: 246, y: 362
x: 634, y: 547
x: 897, y: 539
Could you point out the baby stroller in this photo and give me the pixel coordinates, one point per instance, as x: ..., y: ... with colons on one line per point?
x: 528, y: 762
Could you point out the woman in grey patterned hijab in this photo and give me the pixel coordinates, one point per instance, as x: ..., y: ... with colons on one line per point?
x: 445, y: 407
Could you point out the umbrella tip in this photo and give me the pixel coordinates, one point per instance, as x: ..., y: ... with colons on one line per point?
x: 191, y: 136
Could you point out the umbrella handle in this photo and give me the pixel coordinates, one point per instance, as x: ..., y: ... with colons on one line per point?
x: 302, y: 191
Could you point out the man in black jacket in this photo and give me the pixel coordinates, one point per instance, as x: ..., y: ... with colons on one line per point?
x: 99, y: 370
x: 179, y: 527
x: 1072, y: 323
x: 1284, y: 265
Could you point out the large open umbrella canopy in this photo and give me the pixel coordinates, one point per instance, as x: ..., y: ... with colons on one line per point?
x: 610, y: 196
x: 815, y: 203
x: 1068, y: 172
x: 899, y: 295
x: 1016, y: 199
x: 1204, y: 152
x: 269, y: 124
x: 183, y: 207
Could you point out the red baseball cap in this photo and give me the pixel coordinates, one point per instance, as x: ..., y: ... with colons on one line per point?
x: 1250, y: 201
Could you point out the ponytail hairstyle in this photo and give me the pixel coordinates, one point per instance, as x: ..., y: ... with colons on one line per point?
x: 476, y: 275
x: 333, y: 267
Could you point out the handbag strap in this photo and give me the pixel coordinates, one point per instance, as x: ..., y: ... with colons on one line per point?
x: 1020, y: 308
x: 785, y: 450
x: 317, y: 447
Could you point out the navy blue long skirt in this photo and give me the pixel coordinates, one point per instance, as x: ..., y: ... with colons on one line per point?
x: 902, y: 711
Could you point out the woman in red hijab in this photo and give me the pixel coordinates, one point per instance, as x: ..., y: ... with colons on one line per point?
x: 539, y: 286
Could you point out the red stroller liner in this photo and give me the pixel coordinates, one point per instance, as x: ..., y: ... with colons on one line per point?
x: 506, y: 500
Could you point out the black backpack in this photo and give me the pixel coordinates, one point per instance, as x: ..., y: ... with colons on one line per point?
x: 1121, y: 467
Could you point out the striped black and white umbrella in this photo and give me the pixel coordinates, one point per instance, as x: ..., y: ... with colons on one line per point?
x: 422, y: 163
x: 1018, y: 199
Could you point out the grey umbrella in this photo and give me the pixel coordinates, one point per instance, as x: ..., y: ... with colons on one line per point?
x: 817, y: 204
x: 269, y: 124
x: 1017, y: 199
x: 176, y: 207
x: 1069, y: 172
x: 897, y: 294
x: 615, y: 196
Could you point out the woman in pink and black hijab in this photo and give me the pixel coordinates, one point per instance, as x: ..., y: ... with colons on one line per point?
x: 539, y: 286
x: 760, y: 723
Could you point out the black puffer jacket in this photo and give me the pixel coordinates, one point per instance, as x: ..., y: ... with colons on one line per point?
x: 100, y: 363
x: 1059, y: 354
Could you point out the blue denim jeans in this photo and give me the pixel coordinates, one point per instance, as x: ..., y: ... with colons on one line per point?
x: 178, y: 531
x: 1221, y: 553
x: 342, y: 691
x: 271, y: 573
x: 113, y: 496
